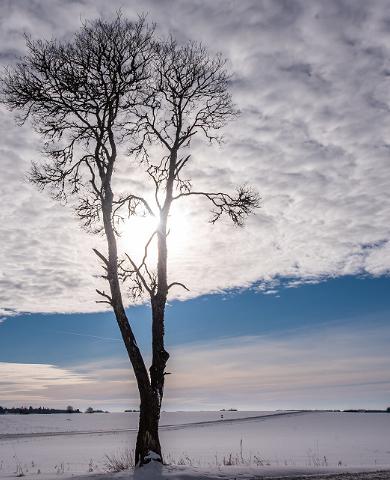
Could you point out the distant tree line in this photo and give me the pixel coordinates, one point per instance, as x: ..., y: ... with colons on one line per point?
x: 349, y: 410
x: 363, y: 410
x: 40, y: 410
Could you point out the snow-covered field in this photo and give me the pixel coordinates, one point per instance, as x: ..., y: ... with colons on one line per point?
x: 200, y: 444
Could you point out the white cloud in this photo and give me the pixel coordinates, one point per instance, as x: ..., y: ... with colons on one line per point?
x: 6, y: 313
x: 311, y: 80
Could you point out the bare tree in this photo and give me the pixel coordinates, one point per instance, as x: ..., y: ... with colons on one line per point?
x: 188, y: 96
x: 114, y: 86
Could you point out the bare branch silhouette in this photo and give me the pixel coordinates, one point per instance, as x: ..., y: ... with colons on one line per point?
x: 187, y: 97
x: 115, y: 88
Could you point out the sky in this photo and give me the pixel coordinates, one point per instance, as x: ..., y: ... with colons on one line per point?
x: 290, y: 311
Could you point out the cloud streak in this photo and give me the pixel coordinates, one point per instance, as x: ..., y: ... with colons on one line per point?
x: 26, y: 382
x: 311, y: 81
x: 332, y: 368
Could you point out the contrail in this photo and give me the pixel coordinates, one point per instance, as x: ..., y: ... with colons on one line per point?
x: 86, y: 335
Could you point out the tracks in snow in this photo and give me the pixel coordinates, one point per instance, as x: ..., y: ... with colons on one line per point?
x: 206, y: 423
x: 230, y: 420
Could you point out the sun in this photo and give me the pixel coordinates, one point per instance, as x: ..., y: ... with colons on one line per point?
x: 136, y: 231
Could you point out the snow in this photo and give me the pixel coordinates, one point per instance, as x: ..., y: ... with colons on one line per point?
x: 25, y: 424
x: 157, y: 472
x: 153, y: 456
x: 197, y: 445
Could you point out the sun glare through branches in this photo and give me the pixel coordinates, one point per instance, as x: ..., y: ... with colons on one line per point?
x: 137, y: 230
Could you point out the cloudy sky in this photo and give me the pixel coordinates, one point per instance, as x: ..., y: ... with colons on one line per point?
x: 312, y: 82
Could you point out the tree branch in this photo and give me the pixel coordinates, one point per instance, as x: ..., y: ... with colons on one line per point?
x: 179, y: 285
x: 237, y: 207
x: 101, y: 256
x: 103, y: 294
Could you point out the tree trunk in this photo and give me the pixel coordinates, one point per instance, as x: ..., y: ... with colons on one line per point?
x: 160, y: 355
x: 148, y: 437
x: 148, y: 443
x: 158, y: 302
